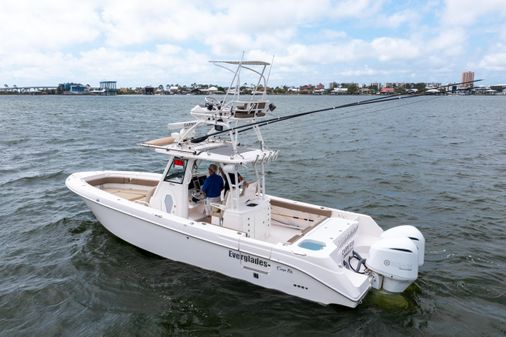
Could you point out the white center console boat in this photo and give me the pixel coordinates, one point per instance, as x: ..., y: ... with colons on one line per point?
x: 314, y: 252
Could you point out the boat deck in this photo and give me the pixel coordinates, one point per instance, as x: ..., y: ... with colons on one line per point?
x: 132, y: 189
x: 129, y: 194
x: 290, y: 220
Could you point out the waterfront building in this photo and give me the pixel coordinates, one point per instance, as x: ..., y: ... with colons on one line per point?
x: 71, y: 88
x: 108, y: 88
x: 149, y: 90
x: 387, y: 91
x: 501, y: 88
x: 339, y: 91
x: 431, y: 85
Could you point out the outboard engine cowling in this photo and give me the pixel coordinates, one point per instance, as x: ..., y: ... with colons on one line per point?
x: 411, y: 233
x: 396, y: 260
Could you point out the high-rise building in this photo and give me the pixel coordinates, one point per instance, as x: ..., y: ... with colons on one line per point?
x: 467, y: 76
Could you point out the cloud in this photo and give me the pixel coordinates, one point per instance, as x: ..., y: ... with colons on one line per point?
x: 494, y: 61
x: 134, y: 22
x: 139, y: 42
x: 329, y: 34
x: 165, y: 63
x: 49, y: 25
x: 398, y: 19
x: 36, y: 68
x: 365, y: 71
x: 388, y: 48
x: 448, y: 42
x: 354, y: 8
x: 467, y: 12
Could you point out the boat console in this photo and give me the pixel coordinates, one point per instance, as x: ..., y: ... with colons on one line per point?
x: 196, y: 183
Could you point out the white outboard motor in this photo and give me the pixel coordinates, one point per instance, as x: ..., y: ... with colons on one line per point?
x: 395, y: 261
x: 411, y: 233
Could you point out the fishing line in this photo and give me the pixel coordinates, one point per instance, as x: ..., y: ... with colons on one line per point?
x: 391, y: 108
x: 279, y: 119
x: 363, y: 110
x: 258, y: 124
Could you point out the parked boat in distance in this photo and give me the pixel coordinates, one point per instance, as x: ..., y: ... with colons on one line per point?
x: 318, y: 253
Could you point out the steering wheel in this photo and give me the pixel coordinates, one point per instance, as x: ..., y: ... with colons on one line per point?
x: 197, y: 196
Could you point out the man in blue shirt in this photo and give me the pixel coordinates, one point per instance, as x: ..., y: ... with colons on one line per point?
x: 212, y: 188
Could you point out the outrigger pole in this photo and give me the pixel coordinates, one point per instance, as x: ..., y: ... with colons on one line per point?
x: 375, y: 100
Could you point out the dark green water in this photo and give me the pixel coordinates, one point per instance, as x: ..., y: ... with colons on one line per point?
x: 436, y: 163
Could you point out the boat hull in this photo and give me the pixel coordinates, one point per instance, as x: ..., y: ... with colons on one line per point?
x: 217, y: 248
x: 225, y: 259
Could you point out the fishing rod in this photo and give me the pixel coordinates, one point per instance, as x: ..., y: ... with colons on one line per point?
x: 385, y: 99
x: 280, y: 119
x: 459, y: 83
x: 375, y: 100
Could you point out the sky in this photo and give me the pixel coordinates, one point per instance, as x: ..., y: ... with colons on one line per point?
x: 152, y: 42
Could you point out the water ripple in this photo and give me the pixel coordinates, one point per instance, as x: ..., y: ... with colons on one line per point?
x: 438, y: 165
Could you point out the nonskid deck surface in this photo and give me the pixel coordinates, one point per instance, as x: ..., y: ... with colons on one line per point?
x: 289, y: 221
x: 129, y: 194
x: 132, y: 189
